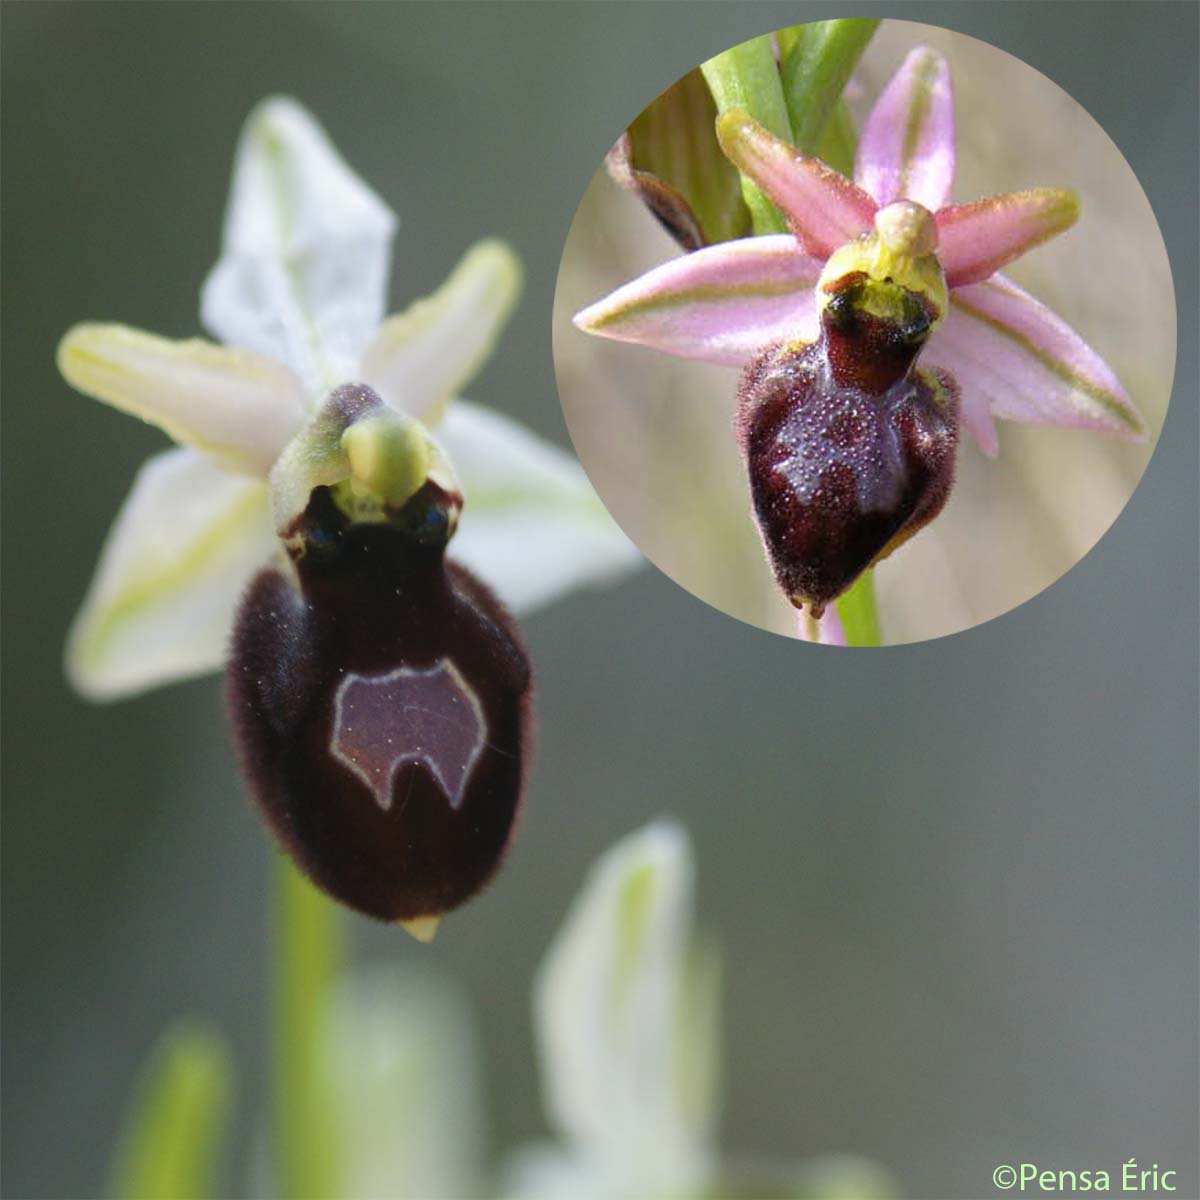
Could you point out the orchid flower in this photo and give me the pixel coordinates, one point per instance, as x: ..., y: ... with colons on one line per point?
x: 887, y: 251
x: 625, y: 1007
x: 380, y: 694
x: 298, y: 297
x: 626, y: 1011
x: 1012, y: 356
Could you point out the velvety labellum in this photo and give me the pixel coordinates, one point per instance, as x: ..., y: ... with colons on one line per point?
x: 849, y: 447
x: 381, y: 701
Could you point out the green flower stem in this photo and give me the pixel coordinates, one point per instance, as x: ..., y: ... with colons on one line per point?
x: 839, y: 140
x: 308, y: 956
x: 860, y: 620
x: 747, y: 77
x: 799, y: 99
x: 816, y: 62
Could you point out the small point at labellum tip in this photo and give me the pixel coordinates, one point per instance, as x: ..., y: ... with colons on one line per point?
x: 424, y: 929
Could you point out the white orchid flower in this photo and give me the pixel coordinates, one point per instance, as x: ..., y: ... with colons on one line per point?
x: 298, y: 299
x: 625, y: 1009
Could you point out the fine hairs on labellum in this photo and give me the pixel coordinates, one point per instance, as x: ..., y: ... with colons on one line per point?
x: 849, y: 447
x: 381, y: 703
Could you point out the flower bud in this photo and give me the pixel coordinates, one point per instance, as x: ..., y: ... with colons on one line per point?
x: 380, y: 699
x: 849, y: 447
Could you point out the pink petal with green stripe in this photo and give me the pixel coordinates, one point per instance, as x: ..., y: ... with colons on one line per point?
x: 823, y: 209
x: 976, y: 239
x: 1027, y: 363
x: 906, y: 151
x: 722, y: 304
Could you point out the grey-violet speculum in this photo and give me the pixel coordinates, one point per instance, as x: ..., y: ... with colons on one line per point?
x: 869, y: 333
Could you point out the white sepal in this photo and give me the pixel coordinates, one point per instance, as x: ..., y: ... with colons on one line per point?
x: 305, y: 254
x: 531, y: 527
x: 161, y: 604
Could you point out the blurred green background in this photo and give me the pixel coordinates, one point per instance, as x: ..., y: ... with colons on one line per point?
x: 956, y: 883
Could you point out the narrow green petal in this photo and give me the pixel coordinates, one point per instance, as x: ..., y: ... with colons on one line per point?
x: 824, y: 210
x: 975, y: 240
x: 424, y: 356
x: 239, y: 407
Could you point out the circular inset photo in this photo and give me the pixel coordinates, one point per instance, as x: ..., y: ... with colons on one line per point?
x: 864, y: 332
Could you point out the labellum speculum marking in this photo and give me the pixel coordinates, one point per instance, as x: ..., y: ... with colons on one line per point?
x: 380, y: 694
x: 441, y: 724
x: 849, y: 446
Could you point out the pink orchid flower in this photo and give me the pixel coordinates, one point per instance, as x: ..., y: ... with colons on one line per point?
x: 1010, y: 355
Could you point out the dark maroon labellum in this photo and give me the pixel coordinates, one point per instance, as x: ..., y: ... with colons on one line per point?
x: 848, y: 446
x: 381, y: 704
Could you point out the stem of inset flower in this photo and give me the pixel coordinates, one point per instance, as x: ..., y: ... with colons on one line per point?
x: 747, y: 77
x: 816, y: 62
x: 308, y: 956
x: 860, y: 620
x: 799, y: 99
x: 838, y: 140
